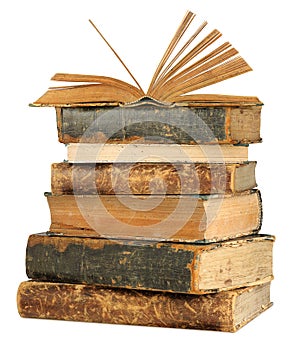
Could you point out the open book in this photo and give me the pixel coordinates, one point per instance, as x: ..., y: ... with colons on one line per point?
x: 176, y: 76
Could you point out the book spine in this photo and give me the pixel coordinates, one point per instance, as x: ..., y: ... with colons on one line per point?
x: 158, y: 217
x: 145, y: 123
x: 91, y: 303
x: 143, y: 178
x: 173, y: 267
x: 127, y: 153
x: 110, y: 263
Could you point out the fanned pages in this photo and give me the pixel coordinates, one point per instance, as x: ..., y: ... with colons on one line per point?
x: 173, y: 80
x: 180, y: 31
x: 201, y: 27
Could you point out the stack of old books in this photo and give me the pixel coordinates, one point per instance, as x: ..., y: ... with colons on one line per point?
x: 154, y: 216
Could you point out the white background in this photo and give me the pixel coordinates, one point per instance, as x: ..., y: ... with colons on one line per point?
x: 40, y: 38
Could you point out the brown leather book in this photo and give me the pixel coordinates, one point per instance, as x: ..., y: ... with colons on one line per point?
x: 226, y: 311
x: 152, y: 178
x: 163, y: 266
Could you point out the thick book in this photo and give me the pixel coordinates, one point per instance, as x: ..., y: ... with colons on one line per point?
x: 225, y: 311
x: 188, y: 218
x: 191, y: 123
x: 162, y: 266
x: 173, y: 153
x: 180, y: 72
x: 152, y: 178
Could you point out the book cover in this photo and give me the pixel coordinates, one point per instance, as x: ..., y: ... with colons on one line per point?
x: 151, y: 178
x: 161, y: 266
x: 226, y: 311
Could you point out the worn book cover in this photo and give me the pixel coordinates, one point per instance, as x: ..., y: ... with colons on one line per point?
x: 152, y: 178
x: 145, y: 122
x: 225, y: 311
x: 164, y: 266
